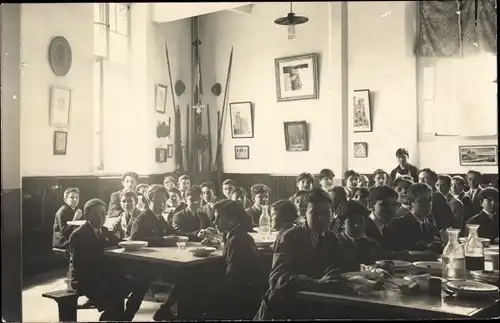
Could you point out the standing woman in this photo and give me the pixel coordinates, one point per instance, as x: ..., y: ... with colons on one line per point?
x: 404, y: 167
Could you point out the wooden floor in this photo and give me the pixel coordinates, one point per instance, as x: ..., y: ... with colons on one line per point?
x: 39, y: 309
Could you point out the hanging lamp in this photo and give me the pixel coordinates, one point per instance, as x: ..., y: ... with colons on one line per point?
x: 291, y: 20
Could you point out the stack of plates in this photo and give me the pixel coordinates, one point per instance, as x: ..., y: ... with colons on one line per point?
x: 429, y: 267
x: 472, y: 288
x: 489, y: 277
x: 485, y: 241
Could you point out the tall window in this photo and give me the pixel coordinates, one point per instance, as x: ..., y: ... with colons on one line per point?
x: 457, y: 96
x: 111, y: 65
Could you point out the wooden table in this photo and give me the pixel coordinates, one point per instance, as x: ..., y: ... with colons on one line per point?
x: 76, y: 223
x: 391, y: 303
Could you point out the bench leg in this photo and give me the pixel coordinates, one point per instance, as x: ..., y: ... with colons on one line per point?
x: 67, y: 309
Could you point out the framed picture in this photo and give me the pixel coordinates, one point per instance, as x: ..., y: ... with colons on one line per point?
x: 296, y: 136
x: 360, y: 150
x: 60, y: 142
x: 241, y: 119
x: 296, y: 77
x: 60, y: 106
x: 480, y: 155
x: 161, y: 98
x: 161, y: 155
x: 170, y: 151
x: 241, y: 152
x: 361, y: 112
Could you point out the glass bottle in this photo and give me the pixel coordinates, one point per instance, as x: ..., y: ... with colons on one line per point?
x: 453, y: 257
x: 265, y: 222
x: 474, y: 251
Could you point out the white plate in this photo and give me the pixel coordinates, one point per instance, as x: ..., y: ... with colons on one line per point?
x: 201, y: 251
x: 485, y: 241
x: 398, y: 264
x: 133, y: 245
x: 431, y: 267
x: 471, y: 287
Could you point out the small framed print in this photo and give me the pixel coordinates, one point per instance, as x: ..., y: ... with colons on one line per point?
x: 360, y: 150
x: 60, y: 106
x: 241, y: 119
x: 161, y: 98
x: 361, y: 112
x: 296, y: 138
x: 241, y: 152
x: 161, y: 155
x: 170, y: 151
x: 480, y: 155
x: 60, y: 142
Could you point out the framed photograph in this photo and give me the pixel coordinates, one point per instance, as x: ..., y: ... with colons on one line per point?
x: 360, y: 150
x: 241, y: 119
x: 480, y: 155
x: 60, y: 106
x: 170, y: 151
x: 296, y: 77
x: 60, y: 142
x: 161, y: 155
x: 361, y: 112
x: 296, y: 138
x: 161, y: 98
x: 241, y: 152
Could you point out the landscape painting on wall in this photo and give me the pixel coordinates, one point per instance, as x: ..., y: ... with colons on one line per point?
x: 481, y: 155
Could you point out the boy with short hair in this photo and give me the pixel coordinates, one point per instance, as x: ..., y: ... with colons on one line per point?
x: 169, y: 181
x: 129, y: 181
x: 474, y: 179
x: 300, y: 199
x: 401, y: 186
x: 304, y: 181
x: 189, y: 221
x: 404, y: 167
x: 361, y: 195
x: 458, y: 190
x: 443, y: 185
x: 487, y: 219
x: 122, y: 228
x: 363, y: 181
x: 184, y: 184
x: 208, y: 199
x: 441, y: 215
x: 383, y: 206
x: 239, y: 194
x: 260, y: 196
x: 141, y: 190
x: 380, y: 178
x: 325, y: 179
x: 67, y: 212
x: 351, y: 181
x: 227, y: 188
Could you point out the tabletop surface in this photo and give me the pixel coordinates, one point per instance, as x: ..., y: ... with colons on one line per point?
x: 76, y: 222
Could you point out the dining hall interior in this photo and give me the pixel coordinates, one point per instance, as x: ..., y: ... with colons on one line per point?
x: 249, y: 161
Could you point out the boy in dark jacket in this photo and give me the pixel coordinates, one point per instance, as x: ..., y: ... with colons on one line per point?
x: 260, y: 196
x: 129, y: 181
x: 404, y: 167
x: 487, y: 219
x: 190, y: 220
x: 67, y: 212
x: 383, y: 206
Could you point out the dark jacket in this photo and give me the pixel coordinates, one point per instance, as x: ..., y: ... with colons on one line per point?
x: 115, y: 208
x: 88, y: 265
x: 122, y: 229
x: 476, y: 203
x: 359, y: 251
x: 406, y: 234
x: 188, y: 224
x: 401, y: 211
x: 458, y: 211
x: 442, y: 217
x: 410, y: 170
x: 488, y: 227
x: 147, y: 227
x: 469, y: 207
x: 254, y: 214
x: 62, y: 231
x: 373, y: 232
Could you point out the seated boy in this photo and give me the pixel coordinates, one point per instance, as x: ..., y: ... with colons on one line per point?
x: 355, y: 246
x: 174, y: 204
x: 227, y: 188
x: 305, y: 257
x: 150, y: 225
x: 383, y: 206
x: 487, y: 219
x: 189, y: 221
x: 67, y: 212
x: 208, y: 199
x: 443, y: 185
x: 91, y: 274
x: 474, y: 180
x: 458, y: 190
x: 260, y: 196
x: 239, y: 194
x: 351, y: 181
x: 401, y: 186
x: 300, y: 200
x: 169, y: 182
x: 361, y: 195
x: 414, y: 231
x: 380, y: 178
x: 363, y: 181
x: 284, y: 215
x: 304, y: 182
x: 339, y: 203
x: 129, y: 180
x: 238, y: 296
x: 123, y: 227
x: 325, y: 179
x: 141, y: 190
x: 184, y: 185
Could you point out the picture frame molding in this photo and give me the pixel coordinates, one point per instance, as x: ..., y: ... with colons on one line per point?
x: 365, y: 144
x: 55, y: 142
x: 158, y: 155
x: 462, y: 163
x: 170, y: 151
x: 302, y: 123
x: 370, y: 119
x: 241, y: 146
x: 164, y: 104
x: 314, y: 59
x: 52, y: 122
x: 251, y: 119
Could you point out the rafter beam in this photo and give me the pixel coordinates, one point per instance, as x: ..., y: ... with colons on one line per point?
x: 246, y: 10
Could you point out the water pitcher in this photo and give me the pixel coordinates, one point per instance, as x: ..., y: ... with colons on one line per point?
x: 474, y: 251
x: 265, y: 222
x: 453, y: 257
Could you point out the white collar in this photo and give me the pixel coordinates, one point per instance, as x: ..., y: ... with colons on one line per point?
x: 406, y: 207
x: 491, y: 215
x: 378, y: 223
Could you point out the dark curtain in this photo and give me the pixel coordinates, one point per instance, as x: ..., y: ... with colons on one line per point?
x: 445, y: 33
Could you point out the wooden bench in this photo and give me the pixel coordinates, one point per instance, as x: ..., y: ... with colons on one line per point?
x: 66, y: 302
x: 61, y: 252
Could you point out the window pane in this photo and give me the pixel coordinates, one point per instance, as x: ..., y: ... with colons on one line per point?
x: 118, y: 49
x: 112, y: 16
x: 122, y: 18
x: 100, y: 40
x: 100, y: 13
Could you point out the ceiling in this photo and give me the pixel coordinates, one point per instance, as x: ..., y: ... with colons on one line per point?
x: 166, y: 12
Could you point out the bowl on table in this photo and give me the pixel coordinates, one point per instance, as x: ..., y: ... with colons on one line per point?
x: 133, y: 245
x: 484, y: 276
x: 429, y: 267
x: 201, y: 251
x: 472, y: 288
x: 485, y: 241
x: 491, y: 255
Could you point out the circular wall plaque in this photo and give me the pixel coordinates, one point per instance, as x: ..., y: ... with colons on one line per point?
x: 60, y: 56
